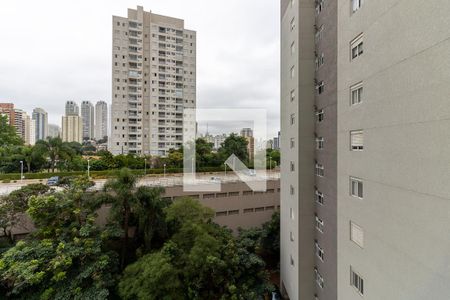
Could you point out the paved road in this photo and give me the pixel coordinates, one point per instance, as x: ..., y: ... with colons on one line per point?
x: 169, y: 180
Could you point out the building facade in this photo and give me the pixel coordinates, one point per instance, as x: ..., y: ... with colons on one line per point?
x: 7, y: 109
x: 54, y: 130
x: 364, y: 133
x: 393, y: 141
x: 101, y: 120
x: 297, y: 262
x: 72, y: 129
x: 153, y: 80
x: 72, y: 109
x: 40, y: 120
x: 87, y: 114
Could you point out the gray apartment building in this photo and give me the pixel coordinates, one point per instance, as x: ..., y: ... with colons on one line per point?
x: 87, y: 114
x: 40, y: 120
x: 153, y: 80
x: 364, y: 134
x: 101, y: 120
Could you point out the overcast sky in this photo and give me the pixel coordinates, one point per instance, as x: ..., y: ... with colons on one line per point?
x: 53, y: 51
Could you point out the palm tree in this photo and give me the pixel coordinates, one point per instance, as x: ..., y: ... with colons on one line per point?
x: 149, y: 209
x: 144, y: 204
x: 120, y: 193
x: 55, y: 149
x: 28, y: 154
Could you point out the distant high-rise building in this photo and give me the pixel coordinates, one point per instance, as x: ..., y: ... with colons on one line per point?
x: 72, y: 108
x: 54, y: 130
x: 101, y: 120
x: 153, y: 80
x: 72, y: 129
x: 87, y: 114
x: 31, y: 135
x: 7, y: 109
x: 40, y: 119
x: 247, y: 133
x: 276, y: 142
x: 20, y: 119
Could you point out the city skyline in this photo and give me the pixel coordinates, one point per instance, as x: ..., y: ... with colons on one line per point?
x: 233, y: 70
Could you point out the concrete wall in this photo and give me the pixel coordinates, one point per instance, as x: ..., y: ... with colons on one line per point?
x: 297, y: 185
x: 327, y: 129
x: 253, y: 208
x: 404, y: 166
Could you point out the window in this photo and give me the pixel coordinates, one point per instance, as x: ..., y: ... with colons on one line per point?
x: 291, y: 190
x: 320, y: 171
x: 292, y: 95
x: 320, y: 60
x: 319, y: 33
x: 320, y: 87
x: 292, y: 25
x: 319, y: 252
x: 292, y: 72
x: 356, y: 187
x: 356, y: 234
x: 319, y: 115
x: 319, y: 224
x: 356, y: 4
x: 292, y: 48
x: 292, y: 119
x: 291, y: 235
x: 292, y: 143
x: 319, y: 6
x: 291, y: 213
x: 356, y: 140
x: 292, y: 261
x: 356, y: 92
x: 356, y: 281
x: 319, y: 278
x: 292, y: 166
x: 356, y: 47
x: 319, y: 197
x: 319, y: 143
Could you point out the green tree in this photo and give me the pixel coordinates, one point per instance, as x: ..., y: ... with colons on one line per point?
x: 55, y: 150
x: 141, y: 208
x: 149, y: 210
x: 14, y: 206
x: 236, y: 145
x: 65, y: 257
x: 8, y: 134
x: 120, y: 194
x: 201, y: 261
x: 25, y: 154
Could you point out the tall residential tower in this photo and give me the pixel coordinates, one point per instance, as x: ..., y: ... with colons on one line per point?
x: 153, y: 80
x: 101, y: 120
x: 40, y: 120
x: 87, y: 114
x: 364, y: 140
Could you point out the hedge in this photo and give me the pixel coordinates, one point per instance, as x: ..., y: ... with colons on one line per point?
x: 102, y: 174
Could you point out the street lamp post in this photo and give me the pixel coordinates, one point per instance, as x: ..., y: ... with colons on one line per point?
x: 145, y: 165
x: 21, y: 170
x: 88, y: 168
x: 164, y: 170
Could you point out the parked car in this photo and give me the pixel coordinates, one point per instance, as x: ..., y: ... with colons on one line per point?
x: 52, y: 181
x: 250, y: 172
